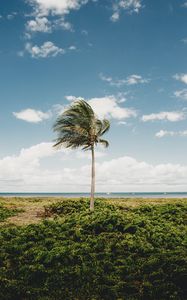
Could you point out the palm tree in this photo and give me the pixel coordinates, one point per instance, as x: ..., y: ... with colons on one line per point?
x: 78, y: 126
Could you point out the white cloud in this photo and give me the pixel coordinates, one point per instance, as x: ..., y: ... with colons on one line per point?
x: 122, y: 123
x: 122, y: 97
x: 42, y: 24
x: 163, y: 133
x: 46, y: 50
x: 106, y: 78
x: 72, y: 98
x: 182, y: 94
x: 61, y: 8
x: 61, y: 23
x: 64, y: 7
x: 31, y: 115
x: 135, y: 79
x: 130, y: 80
x: 108, y: 107
x: 84, y: 32
x: 39, y: 25
x: 130, y: 6
x: 115, y: 16
x: 22, y: 171
x: 172, y: 116
x: 72, y: 48
x: 126, y: 172
x: 27, y: 35
x: 87, y: 154
x: 182, y: 133
x: 11, y: 16
x: 181, y: 77
x: 27, y: 172
x: 56, y: 7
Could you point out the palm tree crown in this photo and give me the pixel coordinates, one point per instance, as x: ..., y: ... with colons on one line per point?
x: 78, y: 126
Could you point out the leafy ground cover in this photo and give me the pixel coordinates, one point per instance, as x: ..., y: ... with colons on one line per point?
x: 33, y: 209
x: 117, y: 252
x: 6, y: 213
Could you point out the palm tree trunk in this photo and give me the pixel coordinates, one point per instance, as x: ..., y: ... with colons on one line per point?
x: 92, y: 181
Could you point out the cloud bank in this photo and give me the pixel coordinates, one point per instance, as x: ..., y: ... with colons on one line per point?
x: 25, y: 172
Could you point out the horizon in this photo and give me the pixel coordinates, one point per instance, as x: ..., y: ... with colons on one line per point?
x: 128, y: 60
x: 96, y: 193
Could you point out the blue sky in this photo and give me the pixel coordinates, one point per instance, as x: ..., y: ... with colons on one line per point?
x: 127, y: 58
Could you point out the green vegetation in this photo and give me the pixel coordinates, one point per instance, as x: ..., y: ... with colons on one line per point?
x: 78, y: 126
x: 117, y: 252
x: 6, y: 213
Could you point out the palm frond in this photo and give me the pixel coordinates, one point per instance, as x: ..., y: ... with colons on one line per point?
x: 106, y: 127
x: 105, y: 143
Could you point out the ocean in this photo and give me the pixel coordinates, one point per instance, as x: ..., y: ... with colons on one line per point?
x: 104, y: 195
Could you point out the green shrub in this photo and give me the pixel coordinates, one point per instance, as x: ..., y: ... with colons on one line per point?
x: 109, y: 254
x: 6, y: 213
x: 70, y: 206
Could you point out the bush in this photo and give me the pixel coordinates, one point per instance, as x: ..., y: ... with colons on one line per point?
x: 6, y: 213
x: 108, y: 254
x: 70, y: 206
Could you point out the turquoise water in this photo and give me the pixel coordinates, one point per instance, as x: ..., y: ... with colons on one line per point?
x: 105, y: 195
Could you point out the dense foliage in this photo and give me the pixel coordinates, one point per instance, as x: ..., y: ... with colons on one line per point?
x: 113, y: 253
x: 69, y: 206
x: 5, y: 213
